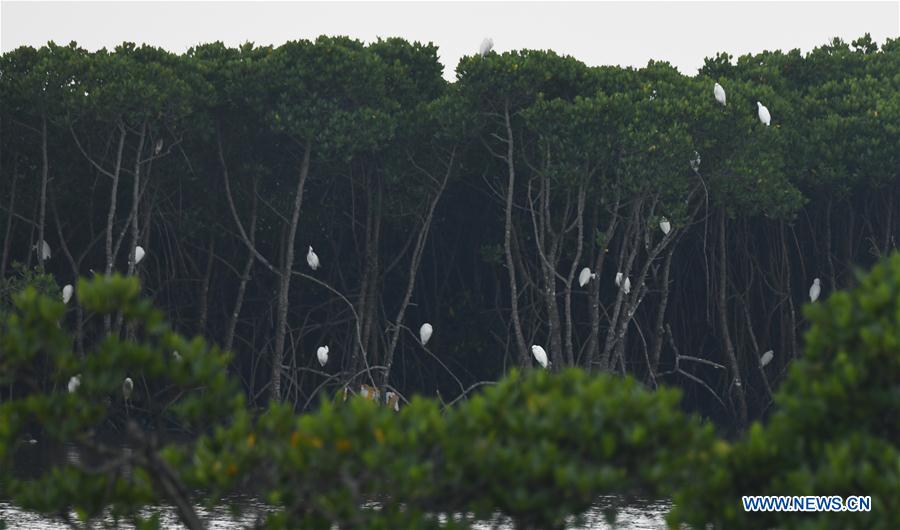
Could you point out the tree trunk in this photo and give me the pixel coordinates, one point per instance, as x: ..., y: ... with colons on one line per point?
x: 45, y: 177
x: 413, y: 271
x: 507, y: 242
x: 9, y: 224
x: 738, y: 389
x: 285, y: 280
x: 204, y: 288
x: 245, y: 278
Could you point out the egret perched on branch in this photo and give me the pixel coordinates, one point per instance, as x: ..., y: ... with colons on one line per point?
x: 45, y: 250
x: 540, y: 355
x: 764, y: 115
x: 619, y: 277
x: 695, y: 161
x: 665, y: 226
x: 585, y: 276
x: 127, y: 388
x: 368, y: 392
x: 312, y: 259
x: 719, y: 92
x: 158, y: 148
x: 322, y: 354
x: 425, y: 333
x: 176, y: 356
x: 139, y: 254
x: 74, y: 383
x: 486, y: 46
x: 392, y: 399
x: 67, y: 292
x: 766, y: 358
x: 626, y: 285
x: 815, y: 290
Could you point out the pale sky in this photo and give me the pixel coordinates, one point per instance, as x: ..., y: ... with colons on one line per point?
x: 624, y: 33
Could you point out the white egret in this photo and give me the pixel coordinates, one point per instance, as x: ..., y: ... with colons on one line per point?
x: 312, y: 259
x: 127, y: 388
x: 695, y: 161
x: 45, y: 250
x: 158, y: 148
x: 176, y: 356
x: 74, y: 383
x: 322, y: 354
x: 764, y: 115
x: 619, y: 277
x: 425, y: 333
x: 486, y: 46
x: 540, y: 355
x: 139, y: 254
x: 665, y: 226
x: 368, y: 392
x: 815, y: 290
x: 626, y: 285
x: 393, y: 400
x: 719, y: 92
x: 67, y: 292
x: 585, y: 276
x: 766, y: 358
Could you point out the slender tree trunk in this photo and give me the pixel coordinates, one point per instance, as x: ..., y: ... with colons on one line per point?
x: 45, y: 177
x: 9, y: 224
x: 507, y: 242
x: 204, y: 288
x: 245, y: 278
x: 660, y: 332
x: 285, y: 283
x: 570, y: 349
x: 136, y: 200
x: 593, y: 348
x: 111, y: 215
x: 413, y: 271
x: 738, y: 389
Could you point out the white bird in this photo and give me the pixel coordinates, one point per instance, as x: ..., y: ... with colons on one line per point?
x: 67, y: 293
x: 45, y: 250
x: 665, y: 226
x: 540, y: 355
x: 719, y: 92
x: 139, y: 254
x: 815, y: 290
x: 486, y: 46
x: 626, y: 285
x: 585, y: 276
x: 322, y: 354
x: 127, y: 388
x: 619, y: 277
x: 312, y: 259
x: 159, y: 146
x: 764, y: 115
x: 766, y: 358
x: 695, y: 161
x: 393, y: 400
x: 425, y: 333
x: 176, y: 355
x: 74, y: 383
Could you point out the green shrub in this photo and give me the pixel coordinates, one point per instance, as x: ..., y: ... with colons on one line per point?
x: 837, y: 426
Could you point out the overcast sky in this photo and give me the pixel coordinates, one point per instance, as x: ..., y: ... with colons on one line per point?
x: 682, y: 33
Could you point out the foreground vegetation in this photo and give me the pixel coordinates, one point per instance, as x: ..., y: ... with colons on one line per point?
x: 470, y: 205
x: 538, y: 447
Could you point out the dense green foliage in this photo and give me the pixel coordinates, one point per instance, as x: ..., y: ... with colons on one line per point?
x: 537, y: 447
x: 470, y: 205
x: 836, y: 430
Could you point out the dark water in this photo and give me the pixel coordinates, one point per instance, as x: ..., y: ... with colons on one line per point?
x: 35, y: 459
